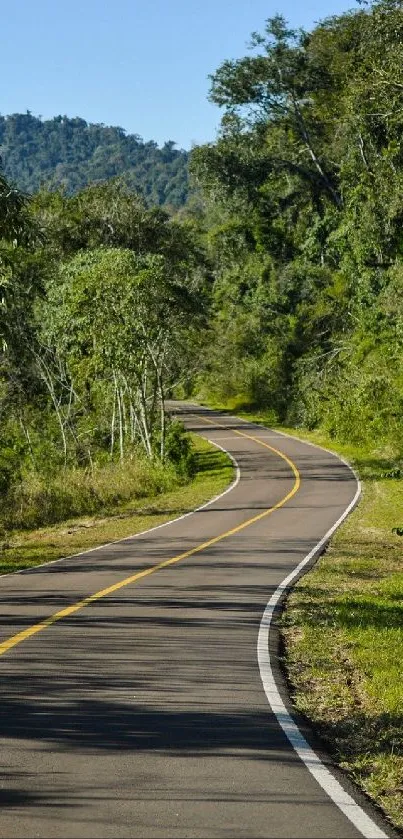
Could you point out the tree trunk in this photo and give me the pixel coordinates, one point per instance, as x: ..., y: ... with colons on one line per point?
x: 120, y: 415
x: 113, y: 418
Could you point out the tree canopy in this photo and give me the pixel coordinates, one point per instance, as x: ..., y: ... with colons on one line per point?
x: 71, y: 153
x: 304, y: 188
x: 281, y: 285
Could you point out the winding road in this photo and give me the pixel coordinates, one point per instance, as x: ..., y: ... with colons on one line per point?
x: 141, y: 691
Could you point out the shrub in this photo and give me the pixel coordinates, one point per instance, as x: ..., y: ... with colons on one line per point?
x: 179, y: 450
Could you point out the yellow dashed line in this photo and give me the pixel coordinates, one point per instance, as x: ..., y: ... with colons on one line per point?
x: 70, y: 610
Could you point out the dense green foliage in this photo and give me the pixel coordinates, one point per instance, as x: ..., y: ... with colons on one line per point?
x: 304, y: 196
x: 72, y: 154
x: 284, y: 289
x: 102, y: 308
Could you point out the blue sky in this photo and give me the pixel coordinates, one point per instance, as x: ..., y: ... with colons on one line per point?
x: 141, y: 65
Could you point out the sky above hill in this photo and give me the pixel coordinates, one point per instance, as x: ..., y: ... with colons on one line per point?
x: 141, y: 65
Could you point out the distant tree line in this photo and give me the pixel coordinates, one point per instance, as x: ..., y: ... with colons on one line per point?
x: 71, y: 153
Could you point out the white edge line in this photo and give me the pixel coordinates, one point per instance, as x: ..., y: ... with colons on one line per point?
x: 325, y: 779
x: 232, y: 486
x: 356, y: 815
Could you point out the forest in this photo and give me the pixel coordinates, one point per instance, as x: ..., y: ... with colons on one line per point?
x: 70, y: 153
x: 304, y: 199
x: 279, y: 284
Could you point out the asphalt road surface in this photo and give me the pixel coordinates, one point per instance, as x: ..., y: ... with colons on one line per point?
x: 142, y: 712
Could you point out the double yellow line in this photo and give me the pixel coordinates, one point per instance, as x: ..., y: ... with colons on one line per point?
x: 134, y: 578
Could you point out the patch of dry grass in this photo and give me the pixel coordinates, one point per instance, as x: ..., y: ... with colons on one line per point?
x: 27, y: 548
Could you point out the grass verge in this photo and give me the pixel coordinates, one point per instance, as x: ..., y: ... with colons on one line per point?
x: 343, y: 630
x: 343, y: 634
x: 27, y: 548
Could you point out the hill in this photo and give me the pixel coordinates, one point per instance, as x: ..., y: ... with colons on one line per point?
x: 73, y: 153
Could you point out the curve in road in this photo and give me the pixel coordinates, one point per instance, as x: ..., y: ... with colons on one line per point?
x: 194, y: 751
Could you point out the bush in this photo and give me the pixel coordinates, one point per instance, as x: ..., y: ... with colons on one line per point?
x: 178, y: 448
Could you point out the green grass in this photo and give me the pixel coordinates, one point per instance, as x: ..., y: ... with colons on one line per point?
x: 39, y: 500
x: 343, y: 633
x: 343, y: 629
x: 27, y: 548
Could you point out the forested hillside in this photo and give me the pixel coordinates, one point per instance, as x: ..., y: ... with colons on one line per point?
x: 303, y: 225
x: 72, y: 154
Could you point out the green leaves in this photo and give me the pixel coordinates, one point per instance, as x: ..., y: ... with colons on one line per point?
x: 120, y: 323
x: 306, y: 182
x: 69, y: 154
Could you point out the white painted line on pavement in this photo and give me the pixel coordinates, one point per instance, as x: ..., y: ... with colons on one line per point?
x: 356, y: 815
x: 364, y: 824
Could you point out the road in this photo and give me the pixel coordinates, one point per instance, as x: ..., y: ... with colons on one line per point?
x: 141, y: 712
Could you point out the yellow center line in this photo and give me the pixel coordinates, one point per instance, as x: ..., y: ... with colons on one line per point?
x: 134, y: 578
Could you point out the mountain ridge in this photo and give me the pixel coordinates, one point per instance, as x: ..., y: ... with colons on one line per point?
x: 70, y: 153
